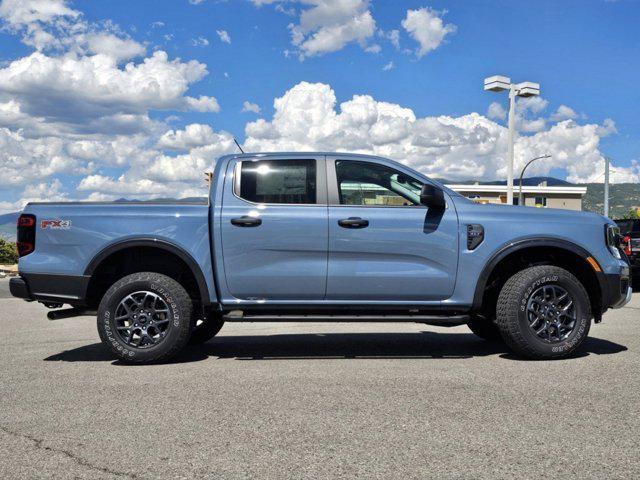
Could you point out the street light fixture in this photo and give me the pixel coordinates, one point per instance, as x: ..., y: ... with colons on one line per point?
x: 498, y: 83
x: 520, y: 196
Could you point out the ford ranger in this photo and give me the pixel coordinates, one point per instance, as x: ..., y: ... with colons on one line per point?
x: 321, y: 237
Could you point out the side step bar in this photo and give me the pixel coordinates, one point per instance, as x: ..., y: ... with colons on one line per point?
x: 438, y: 320
x: 69, y: 313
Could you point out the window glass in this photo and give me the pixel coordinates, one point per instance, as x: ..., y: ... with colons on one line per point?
x: 628, y: 226
x: 539, y: 200
x: 364, y: 183
x: 279, y: 181
x: 625, y: 226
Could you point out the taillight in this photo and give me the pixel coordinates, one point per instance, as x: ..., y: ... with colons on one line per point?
x: 26, y: 221
x: 26, y: 239
x: 626, y: 244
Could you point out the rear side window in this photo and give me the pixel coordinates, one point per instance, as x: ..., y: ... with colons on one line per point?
x: 279, y: 181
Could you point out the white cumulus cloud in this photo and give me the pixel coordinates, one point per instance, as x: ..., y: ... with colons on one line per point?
x: 250, y: 107
x: 467, y: 147
x: 79, y: 90
x: 496, y: 111
x: 326, y: 26
x: 51, y: 25
x: 81, y: 101
x: 426, y: 27
x: 192, y: 136
x: 114, y: 47
x: 564, y: 113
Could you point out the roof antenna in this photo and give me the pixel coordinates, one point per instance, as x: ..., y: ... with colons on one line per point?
x: 238, y: 145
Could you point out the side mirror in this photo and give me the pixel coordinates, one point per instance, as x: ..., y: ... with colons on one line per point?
x: 432, y: 196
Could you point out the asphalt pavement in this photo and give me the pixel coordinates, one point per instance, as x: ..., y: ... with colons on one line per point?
x: 316, y: 401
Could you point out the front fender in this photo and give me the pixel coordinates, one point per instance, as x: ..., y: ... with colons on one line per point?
x: 511, y: 247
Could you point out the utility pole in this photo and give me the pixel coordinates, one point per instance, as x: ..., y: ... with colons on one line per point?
x: 499, y: 83
x: 512, y: 133
x: 606, y: 186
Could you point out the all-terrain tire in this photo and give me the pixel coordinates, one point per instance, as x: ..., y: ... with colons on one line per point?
x: 179, y: 313
x: 513, y: 321
x: 485, y: 328
x: 206, y: 330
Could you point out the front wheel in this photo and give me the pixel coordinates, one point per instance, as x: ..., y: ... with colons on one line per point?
x: 145, y: 317
x: 543, y: 312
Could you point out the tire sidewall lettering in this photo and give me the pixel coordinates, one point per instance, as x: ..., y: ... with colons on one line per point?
x: 172, y: 304
x: 547, y: 279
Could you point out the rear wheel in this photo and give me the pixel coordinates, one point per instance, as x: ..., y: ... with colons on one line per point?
x: 145, y: 317
x: 543, y: 312
x: 206, y: 329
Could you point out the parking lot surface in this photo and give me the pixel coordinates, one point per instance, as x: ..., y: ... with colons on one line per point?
x: 280, y: 401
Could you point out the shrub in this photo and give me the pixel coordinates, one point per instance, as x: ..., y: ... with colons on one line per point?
x: 8, y: 252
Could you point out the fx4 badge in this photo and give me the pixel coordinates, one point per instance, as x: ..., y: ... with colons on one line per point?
x: 56, y: 224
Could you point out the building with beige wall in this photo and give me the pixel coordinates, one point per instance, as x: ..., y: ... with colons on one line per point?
x: 543, y: 196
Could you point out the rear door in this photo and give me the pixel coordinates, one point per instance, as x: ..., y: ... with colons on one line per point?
x: 274, y: 228
x: 384, y: 245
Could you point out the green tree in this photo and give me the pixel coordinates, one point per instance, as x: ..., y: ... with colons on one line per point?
x: 8, y: 252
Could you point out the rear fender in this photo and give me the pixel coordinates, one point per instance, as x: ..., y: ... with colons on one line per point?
x: 155, y: 243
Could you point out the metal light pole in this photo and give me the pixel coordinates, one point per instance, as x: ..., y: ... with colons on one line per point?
x: 606, y: 186
x: 498, y: 83
x: 520, y: 196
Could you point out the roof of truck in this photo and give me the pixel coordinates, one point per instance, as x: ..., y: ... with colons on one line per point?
x: 297, y: 154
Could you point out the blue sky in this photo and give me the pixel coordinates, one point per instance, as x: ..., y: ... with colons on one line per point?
x: 583, y: 53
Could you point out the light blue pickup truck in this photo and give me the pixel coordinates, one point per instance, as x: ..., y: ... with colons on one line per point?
x: 321, y: 237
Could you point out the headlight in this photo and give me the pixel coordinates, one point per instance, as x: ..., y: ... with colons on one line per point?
x: 612, y: 238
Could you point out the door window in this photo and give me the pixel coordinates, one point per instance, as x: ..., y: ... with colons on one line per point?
x: 279, y: 181
x: 365, y: 183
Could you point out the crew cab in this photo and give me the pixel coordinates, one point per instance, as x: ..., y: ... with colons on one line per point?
x: 321, y: 237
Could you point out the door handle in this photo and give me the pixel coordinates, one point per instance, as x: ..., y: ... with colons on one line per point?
x: 353, y: 222
x: 246, y: 221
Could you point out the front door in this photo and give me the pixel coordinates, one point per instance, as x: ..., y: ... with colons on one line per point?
x: 274, y: 229
x: 384, y: 245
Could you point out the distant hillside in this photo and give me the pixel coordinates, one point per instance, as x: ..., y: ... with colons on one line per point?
x: 530, y: 181
x: 622, y: 197
x: 8, y: 226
